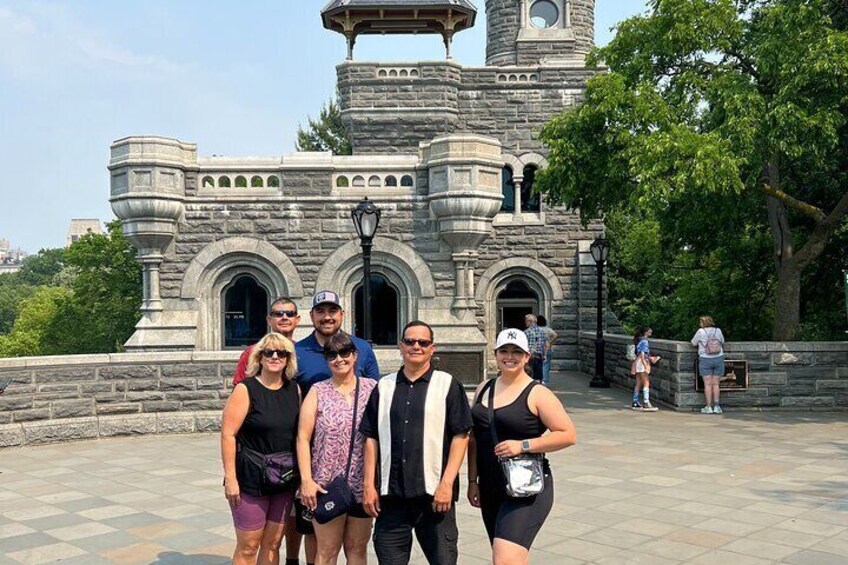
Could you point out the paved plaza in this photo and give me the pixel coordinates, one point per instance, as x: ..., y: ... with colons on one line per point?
x: 741, y: 488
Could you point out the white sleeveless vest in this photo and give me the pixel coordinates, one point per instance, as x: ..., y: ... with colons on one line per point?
x: 435, y: 406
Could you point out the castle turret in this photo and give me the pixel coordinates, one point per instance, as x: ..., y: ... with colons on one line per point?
x: 539, y: 32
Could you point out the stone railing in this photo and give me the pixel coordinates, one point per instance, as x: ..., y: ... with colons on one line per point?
x: 76, y: 397
x: 799, y: 375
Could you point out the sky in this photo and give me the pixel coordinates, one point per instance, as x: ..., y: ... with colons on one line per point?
x: 236, y: 78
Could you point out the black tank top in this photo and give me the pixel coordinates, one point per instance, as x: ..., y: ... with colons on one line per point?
x: 514, y: 421
x: 269, y: 427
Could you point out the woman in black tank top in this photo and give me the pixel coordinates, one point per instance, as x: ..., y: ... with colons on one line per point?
x: 260, y: 419
x: 523, y: 412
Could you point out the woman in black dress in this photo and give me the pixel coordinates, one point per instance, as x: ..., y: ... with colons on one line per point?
x: 524, y: 414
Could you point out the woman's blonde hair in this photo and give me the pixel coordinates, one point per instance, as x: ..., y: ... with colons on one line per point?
x: 273, y: 341
x: 707, y: 322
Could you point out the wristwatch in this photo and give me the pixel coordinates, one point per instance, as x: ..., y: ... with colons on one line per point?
x: 525, y: 446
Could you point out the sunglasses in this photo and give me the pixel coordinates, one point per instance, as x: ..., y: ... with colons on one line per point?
x: 343, y: 353
x: 424, y: 343
x: 281, y: 353
x: 284, y: 313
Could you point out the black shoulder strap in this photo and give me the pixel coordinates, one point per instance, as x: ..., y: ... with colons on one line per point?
x: 492, y: 413
x: 483, y: 390
x: 353, y: 427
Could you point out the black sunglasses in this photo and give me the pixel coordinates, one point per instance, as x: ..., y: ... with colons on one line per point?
x: 343, y: 353
x: 281, y: 353
x: 424, y: 343
x: 284, y: 313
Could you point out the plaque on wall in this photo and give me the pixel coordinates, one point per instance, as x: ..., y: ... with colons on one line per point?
x: 735, y: 376
x: 466, y: 367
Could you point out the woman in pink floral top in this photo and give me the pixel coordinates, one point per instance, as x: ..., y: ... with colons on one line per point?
x: 323, y: 443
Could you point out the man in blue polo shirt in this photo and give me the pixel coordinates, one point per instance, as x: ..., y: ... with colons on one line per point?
x: 327, y: 315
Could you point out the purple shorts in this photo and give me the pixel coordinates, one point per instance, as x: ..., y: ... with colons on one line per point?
x: 255, y: 511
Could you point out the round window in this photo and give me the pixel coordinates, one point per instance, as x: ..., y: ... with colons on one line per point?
x: 544, y: 13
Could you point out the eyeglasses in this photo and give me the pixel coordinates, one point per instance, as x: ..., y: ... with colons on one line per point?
x: 424, y: 343
x: 281, y: 353
x: 284, y: 313
x: 343, y: 353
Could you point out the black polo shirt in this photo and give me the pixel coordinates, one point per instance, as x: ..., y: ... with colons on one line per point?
x: 406, y: 418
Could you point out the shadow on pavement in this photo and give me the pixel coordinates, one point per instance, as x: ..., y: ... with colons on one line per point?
x: 178, y: 558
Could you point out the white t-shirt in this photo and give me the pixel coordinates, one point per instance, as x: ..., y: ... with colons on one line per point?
x: 701, y: 337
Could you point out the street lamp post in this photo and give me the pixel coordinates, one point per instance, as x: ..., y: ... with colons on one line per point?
x: 600, y: 249
x: 366, y: 220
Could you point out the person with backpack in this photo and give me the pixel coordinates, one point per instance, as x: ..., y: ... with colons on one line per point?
x: 710, y: 343
x: 640, y: 368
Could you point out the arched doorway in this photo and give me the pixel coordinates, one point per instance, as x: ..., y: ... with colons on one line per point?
x: 245, y: 305
x: 514, y: 302
x: 384, y: 313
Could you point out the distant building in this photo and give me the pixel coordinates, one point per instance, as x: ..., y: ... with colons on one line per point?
x: 79, y: 228
x: 10, y: 259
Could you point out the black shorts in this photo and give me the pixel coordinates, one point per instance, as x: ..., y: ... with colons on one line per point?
x: 516, y: 519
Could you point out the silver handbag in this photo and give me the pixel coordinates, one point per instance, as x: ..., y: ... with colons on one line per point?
x: 524, y: 474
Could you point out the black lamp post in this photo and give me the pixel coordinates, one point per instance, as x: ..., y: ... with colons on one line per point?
x: 366, y: 219
x: 600, y: 249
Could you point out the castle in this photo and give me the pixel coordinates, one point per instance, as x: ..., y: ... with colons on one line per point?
x: 449, y: 154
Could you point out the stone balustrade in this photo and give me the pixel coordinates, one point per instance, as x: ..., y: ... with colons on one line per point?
x: 797, y: 375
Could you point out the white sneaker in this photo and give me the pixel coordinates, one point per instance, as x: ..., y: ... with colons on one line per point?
x: 717, y: 409
x: 707, y: 410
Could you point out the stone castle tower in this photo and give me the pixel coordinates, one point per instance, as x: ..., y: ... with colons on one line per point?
x: 542, y: 32
x: 448, y: 152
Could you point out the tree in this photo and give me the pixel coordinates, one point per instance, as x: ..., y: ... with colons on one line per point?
x: 107, y: 293
x: 39, y: 269
x: 710, y: 105
x: 35, y: 319
x: 327, y: 133
x: 12, y: 297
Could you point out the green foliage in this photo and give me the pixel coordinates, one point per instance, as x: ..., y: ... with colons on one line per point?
x: 37, y: 315
x: 710, y: 105
x: 11, y: 298
x: 327, y: 133
x: 107, y: 292
x: 92, y: 308
x: 39, y: 269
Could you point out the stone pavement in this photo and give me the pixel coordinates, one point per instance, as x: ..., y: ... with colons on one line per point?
x: 662, y: 488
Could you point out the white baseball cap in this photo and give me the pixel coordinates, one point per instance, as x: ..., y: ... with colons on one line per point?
x: 512, y: 336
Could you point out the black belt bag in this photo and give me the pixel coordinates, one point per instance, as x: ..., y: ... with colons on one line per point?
x: 277, y: 470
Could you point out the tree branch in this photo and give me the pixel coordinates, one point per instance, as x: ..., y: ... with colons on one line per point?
x: 808, y: 210
x: 817, y: 240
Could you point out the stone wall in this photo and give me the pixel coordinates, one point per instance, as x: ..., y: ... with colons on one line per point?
x: 76, y: 397
x: 797, y: 375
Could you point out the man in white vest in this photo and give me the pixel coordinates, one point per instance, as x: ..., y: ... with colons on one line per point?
x: 416, y: 426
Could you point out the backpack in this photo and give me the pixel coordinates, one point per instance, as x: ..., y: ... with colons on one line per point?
x: 713, y: 346
x: 631, y: 352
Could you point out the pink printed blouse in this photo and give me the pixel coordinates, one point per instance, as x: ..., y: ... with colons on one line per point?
x: 331, y: 438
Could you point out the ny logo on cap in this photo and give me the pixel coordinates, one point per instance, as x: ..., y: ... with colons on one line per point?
x: 511, y: 335
x: 320, y: 297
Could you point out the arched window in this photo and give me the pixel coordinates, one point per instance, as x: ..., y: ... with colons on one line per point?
x: 245, y: 307
x: 358, y: 181
x: 514, y: 302
x: 241, y: 182
x: 508, y: 190
x: 374, y: 181
x: 257, y: 182
x: 391, y: 180
x: 407, y: 180
x: 530, y: 202
x: 274, y: 182
x: 208, y: 182
x: 224, y: 182
x: 342, y: 182
x: 384, y: 313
